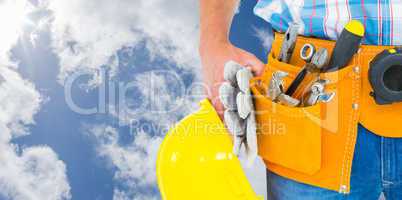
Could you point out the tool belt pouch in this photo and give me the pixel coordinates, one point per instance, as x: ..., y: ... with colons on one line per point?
x: 293, y: 137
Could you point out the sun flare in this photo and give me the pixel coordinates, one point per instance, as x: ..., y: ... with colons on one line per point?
x: 13, y: 19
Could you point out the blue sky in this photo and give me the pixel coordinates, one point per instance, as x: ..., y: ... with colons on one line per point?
x: 95, y: 45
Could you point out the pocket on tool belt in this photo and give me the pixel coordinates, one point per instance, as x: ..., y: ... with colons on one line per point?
x: 290, y: 136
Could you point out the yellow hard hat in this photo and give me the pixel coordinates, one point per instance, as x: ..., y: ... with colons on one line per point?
x: 195, y: 161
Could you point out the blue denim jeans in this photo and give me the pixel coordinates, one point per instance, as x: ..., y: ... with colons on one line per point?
x: 376, y: 169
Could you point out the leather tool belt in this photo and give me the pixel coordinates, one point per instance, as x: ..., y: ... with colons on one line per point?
x: 315, y: 144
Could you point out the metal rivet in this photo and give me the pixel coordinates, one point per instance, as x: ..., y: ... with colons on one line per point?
x: 343, y: 189
x: 356, y: 69
x: 355, y: 106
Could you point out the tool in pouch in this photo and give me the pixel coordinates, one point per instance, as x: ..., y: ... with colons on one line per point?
x: 385, y: 76
x: 239, y: 115
x: 317, y: 94
x: 289, y: 42
x: 276, y: 90
x: 346, y: 46
x: 316, y: 62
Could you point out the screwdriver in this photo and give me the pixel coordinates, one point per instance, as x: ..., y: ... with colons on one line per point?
x: 346, y: 46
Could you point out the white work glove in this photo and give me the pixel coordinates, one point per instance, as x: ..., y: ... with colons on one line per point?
x: 239, y: 115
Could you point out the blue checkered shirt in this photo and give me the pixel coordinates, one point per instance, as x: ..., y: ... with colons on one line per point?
x: 326, y: 18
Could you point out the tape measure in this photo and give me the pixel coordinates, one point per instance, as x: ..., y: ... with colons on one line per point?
x: 385, y: 76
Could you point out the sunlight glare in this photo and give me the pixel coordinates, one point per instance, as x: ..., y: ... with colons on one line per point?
x: 13, y: 18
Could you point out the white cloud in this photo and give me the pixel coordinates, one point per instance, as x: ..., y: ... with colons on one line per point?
x: 159, y: 97
x: 26, y: 173
x: 35, y: 174
x: 265, y: 36
x: 163, y: 100
x: 159, y: 93
x: 32, y: 173
x: 134, y: 163
x: 17, y: 94
x: 88, y: 34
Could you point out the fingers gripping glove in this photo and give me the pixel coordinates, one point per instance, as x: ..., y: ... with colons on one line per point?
x: 239, y: 115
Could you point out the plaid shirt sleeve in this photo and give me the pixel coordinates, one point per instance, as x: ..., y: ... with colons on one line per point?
x: 326, y: 18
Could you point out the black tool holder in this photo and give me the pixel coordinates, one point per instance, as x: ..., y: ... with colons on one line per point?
x: 385, y: 76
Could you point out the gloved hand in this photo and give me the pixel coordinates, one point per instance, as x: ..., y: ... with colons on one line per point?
x: 239, y: 115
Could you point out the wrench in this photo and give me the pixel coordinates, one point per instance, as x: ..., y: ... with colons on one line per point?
x: 317, y: 94
x: 318, y: 61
